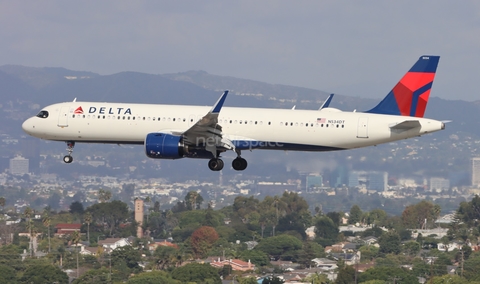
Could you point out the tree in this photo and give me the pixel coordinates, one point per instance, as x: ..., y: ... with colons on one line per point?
x: 165, y: 257
x: 46, y: 220
x: 285, y: 247
x: 193, y: 200
x: 76, y: 208
x: 346, y: 275
x: 109, y: 213
x: 390, y: 242
x: 75, y: 240
x: 27, y: 213
x: 2, y: 202
x: 202, y: 240
x: 196, y: 272
x: 126, y: 255
x: 317, y: 278
x: 355, y: 215
x: 88, y: 220
x: 256, y: 257
x: 104, y: 195
x: 325, y: 228
x: 386, y: 274
x: 43, y: 274
x: 310, y: 250
x: 153, y: 277
x: 8, y: 275
x: 272, y: 280
x: 248, y: 280
x: 94, y: 276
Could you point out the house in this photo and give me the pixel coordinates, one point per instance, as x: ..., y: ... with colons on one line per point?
x: 349, y: 258
x: 90, y: 250
x: 66, y: 229
x: 164, y: 243
x: 325, y: 263
x: 110, y: 244
x: 370, y: 240
x: 236, y: 264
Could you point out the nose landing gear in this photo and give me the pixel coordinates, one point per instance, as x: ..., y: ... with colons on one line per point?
x: 68, y: 158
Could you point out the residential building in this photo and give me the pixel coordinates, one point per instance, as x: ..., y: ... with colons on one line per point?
x: 236, y: 264
x: 112, y: 243
x: 67, y: 229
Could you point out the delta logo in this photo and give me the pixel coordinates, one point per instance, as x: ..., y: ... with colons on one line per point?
x: 79, y: 110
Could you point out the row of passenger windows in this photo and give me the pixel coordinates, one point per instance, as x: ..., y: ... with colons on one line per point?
x: 221, y: 121
x: 168, y: 119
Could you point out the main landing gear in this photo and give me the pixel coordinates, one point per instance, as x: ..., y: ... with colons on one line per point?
x: 68, y: 158
x: 238, y: 164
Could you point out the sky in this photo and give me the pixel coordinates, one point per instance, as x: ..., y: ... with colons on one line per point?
x: 354, y: 48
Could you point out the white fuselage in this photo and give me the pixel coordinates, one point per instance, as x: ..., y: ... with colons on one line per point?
x: 303, y: 130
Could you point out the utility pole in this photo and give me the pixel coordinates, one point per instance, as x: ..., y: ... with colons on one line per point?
x: 461, y: 272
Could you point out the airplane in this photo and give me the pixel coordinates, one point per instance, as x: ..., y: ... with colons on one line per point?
x: 186, y: 131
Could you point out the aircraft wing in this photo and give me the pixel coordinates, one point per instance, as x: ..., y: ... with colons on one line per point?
x: 207, y: 131
x: 405, y: 125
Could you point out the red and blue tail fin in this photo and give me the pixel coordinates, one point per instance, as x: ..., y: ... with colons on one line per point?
x: 410, y: 96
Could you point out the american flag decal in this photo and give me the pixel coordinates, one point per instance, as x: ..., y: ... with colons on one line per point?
x: 321, y: 120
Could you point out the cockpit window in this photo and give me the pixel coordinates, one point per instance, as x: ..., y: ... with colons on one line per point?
x: 43, y: 114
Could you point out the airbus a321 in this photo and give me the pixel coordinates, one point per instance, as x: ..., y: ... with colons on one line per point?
x: 181, y: 131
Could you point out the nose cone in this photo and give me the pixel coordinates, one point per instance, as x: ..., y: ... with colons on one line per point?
x: 28, y: 126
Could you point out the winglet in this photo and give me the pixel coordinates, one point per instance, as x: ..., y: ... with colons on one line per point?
x: 218, y: 105
x: 327, y: 102
x: 410, y: 96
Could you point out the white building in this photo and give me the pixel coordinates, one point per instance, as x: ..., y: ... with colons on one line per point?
x: 19, y: 166
x: 476, y: 171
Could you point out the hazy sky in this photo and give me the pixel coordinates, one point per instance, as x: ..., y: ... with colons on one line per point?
x: 354, y: 48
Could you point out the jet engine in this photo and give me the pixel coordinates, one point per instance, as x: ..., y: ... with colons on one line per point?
x: 164, y: 146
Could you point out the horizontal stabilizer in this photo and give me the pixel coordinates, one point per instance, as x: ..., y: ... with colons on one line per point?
x: 405, y: 125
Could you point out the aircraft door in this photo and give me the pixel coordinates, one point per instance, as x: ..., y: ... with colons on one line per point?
x: 362, y: 128
x: 63, y: 117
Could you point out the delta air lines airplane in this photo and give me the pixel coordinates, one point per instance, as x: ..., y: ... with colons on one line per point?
x: 181, y: 131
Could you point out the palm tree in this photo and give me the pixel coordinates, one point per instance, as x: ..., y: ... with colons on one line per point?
x: 88, y: 219
x: 76, y: 240
x: 46, y: 220
x: 28, y: 214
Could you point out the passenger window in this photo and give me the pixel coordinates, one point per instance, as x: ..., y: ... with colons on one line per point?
x: 73, y: 116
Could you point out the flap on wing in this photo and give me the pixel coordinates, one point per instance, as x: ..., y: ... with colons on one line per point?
x: 405, y: 125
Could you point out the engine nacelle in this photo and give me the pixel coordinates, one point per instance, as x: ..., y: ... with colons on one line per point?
x: 164, y: 146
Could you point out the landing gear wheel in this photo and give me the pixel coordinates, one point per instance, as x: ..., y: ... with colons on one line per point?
x: 68, y: 159
x: 239, y: 164
x: 215, y: 164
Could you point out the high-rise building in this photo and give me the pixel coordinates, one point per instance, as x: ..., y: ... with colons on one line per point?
x: 313, y: 181
x: 439, y: 184
x: 139, y: 216
x: 19, y: 166
x: 30, y: 148
x: 378, y: 181
x: 476, y: 171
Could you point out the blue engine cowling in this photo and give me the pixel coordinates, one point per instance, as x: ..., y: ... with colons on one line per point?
x: 164, y: 146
